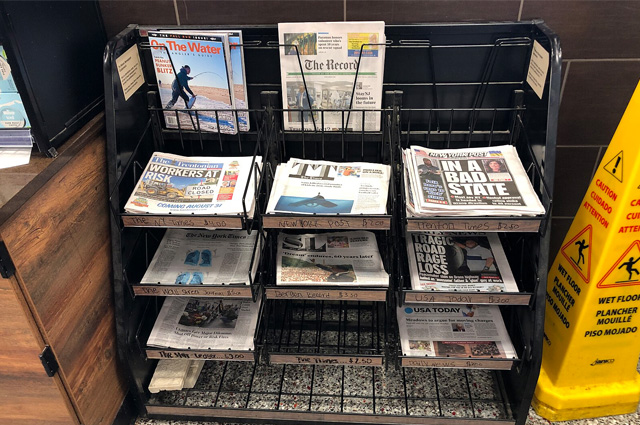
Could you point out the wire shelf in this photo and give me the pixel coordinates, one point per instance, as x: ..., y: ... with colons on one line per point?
x: 339, y: 394
x: 325, y: 332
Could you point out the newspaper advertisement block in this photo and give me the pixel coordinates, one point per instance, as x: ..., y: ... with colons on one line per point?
x: 194, y: 185
x: 204, y: 257
x: 475, y: 181
x: 330, y: 259
x: 205, y: 323
x: 328, y: 54
x: 323, y: 187
x: 458, y: 262
x: 452, y: 330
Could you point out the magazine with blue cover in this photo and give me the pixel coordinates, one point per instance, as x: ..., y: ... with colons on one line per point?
x: 193, y: 71
x: 237, y: 71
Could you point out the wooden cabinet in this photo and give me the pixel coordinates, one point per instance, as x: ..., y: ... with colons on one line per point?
x: 56, y: 254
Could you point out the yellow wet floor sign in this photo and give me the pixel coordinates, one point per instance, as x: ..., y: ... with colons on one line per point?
x: 592, y: 320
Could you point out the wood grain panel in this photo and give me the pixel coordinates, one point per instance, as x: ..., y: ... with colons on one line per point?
x: 59, y: 240
x: 27, y: 394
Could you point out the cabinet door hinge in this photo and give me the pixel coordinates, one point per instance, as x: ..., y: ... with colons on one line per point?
x: 7, y: 269
x: 49, y: 361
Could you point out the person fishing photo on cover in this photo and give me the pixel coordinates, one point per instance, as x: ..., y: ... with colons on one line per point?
x: 178, y: 87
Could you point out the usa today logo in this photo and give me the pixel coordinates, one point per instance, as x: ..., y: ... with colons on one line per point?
x: 408, y: 310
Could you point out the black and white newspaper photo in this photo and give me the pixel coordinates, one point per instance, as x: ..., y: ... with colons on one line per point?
x: 453, y: 330
x: 204, y: 257
x: 325, y: 187
x: 330, y: 259
x: 458, y: 262
x: 205, y: 323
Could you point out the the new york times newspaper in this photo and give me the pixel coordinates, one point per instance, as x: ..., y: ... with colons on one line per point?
x: 205, y: 323
x: 474, y: 181
x: 328, y: 54
x: 330, y: 259
x: 458, y: 262
x: 453, y: 330
x: 204, y: 257
x: 324, y: 187
x: 194, y: 185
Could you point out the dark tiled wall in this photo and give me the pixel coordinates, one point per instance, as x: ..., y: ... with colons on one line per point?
x: 600, y: 43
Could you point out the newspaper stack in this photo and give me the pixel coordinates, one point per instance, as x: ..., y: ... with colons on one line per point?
x: 195, y: 185
x: 204, y: 257
x: 205, y: 323
x: 330, y: 55
x: 324, y: 187
x: 468, y: 262
x: 468, y: 182
x: 175, y: 375
x: 330, y: 259
x: 452, y: 330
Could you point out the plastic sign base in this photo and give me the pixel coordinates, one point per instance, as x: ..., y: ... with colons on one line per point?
x: 589, y: 401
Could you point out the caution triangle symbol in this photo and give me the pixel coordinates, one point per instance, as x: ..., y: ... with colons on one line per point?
x: 578, y: 252
x: 625, y: 271
x: 614, y: 166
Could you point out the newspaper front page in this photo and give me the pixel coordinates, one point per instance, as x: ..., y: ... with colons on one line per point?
x: 330, y: 259
x: 328, y: 54
x: 323, y: 187
x: 194, y: 185
x: 204, y: 257
x: 205, y: 323
x: 458, y: 262
x: 474, y: 181
x: 454, y: 330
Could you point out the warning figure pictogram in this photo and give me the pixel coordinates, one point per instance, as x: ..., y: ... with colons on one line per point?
x: 614, y: 166
x: 625, y: 271
x: 578, y: 252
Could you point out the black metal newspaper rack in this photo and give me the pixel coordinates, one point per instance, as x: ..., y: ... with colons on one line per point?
x: 318, y: 352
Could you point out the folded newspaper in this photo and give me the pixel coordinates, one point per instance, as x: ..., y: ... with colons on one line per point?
x: 324, y: 187
x: 330, y: 259
x: 453, y: 330
x: 195, y: 185
x: 204, y: 257
x: 175, y: 375
x: 205, y: 323
x: 468, y: 182
x: 458, y: 262
x: 328, y: 55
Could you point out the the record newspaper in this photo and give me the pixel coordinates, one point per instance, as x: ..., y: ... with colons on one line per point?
x: 204, y: 257
x: 475, y: 181
x: 453, y: 330
x: 458, y: 262
x: 205, y: 323
x: 195, y: 185
x: 323, y: 187
x: 327, y: 54
x: 330, y: 259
